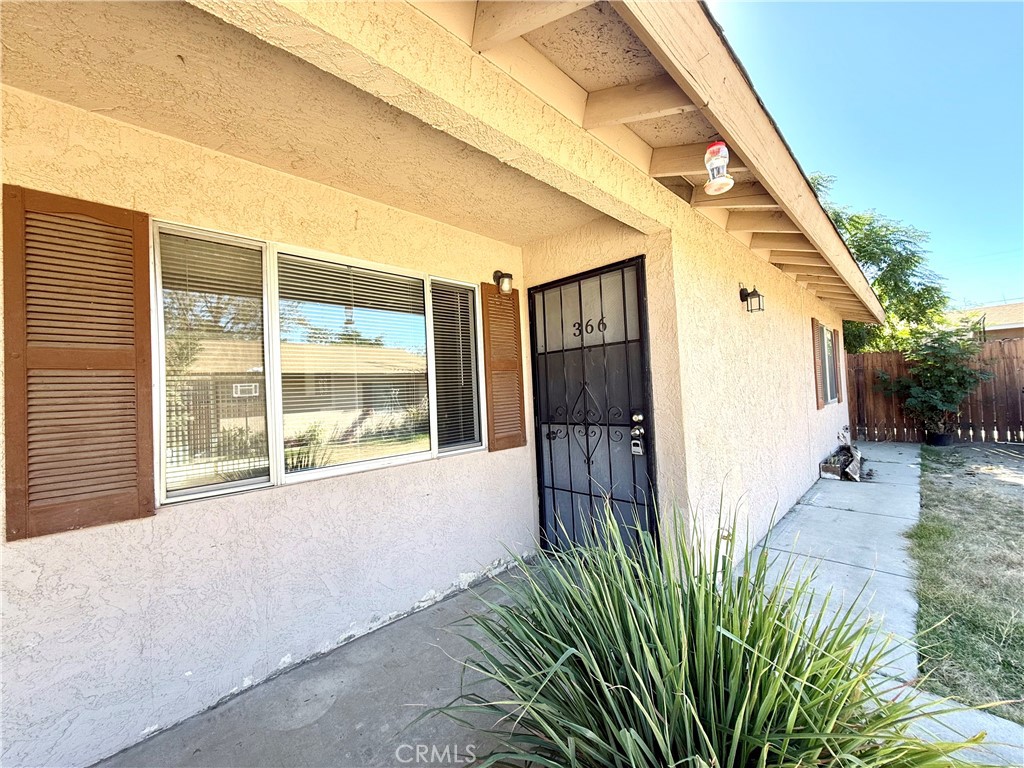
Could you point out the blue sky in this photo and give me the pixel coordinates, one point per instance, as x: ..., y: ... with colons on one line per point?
x: 855, y: 85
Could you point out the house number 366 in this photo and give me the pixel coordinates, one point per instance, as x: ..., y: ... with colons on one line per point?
x: 602, y: 326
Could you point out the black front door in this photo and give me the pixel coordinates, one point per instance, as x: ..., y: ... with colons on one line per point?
x: 592, y: 401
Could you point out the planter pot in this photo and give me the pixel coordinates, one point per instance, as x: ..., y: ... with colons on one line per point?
x: 938, y: 438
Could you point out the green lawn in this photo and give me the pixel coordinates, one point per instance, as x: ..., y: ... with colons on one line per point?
x: 969, y: 548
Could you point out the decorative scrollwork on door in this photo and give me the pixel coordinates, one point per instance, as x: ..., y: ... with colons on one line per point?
x: 588, y: 437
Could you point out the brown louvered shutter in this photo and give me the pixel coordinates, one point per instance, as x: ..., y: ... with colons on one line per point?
x: 837, y: 356
x: 503, y: 369
x: 819, y: 383
x: 77, y: 348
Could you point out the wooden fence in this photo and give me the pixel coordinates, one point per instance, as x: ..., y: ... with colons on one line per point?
x: 992, y: 413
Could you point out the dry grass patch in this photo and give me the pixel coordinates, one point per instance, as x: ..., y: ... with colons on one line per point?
x: 969, y: 549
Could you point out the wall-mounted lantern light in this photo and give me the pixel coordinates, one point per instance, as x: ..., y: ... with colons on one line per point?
x: 504, y: 281
x: 753, y: 299
x: 716, y: 160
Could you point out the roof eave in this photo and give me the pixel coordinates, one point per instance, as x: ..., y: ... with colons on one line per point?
x: 692, y: 47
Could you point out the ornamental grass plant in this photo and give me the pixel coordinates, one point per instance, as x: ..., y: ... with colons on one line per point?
x: 618, y: 653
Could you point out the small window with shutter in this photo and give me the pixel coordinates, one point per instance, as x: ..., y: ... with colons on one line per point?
x: 455, y: 366
x: 77, y: 335
x: 503, y: 365
x: 826, y: 364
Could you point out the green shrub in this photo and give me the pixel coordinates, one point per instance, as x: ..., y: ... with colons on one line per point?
x: 611, y: 655
x: 940, y: 375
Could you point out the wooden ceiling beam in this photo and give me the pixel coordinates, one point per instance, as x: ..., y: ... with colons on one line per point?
x: 686, y: 160
x: 797, y: 257
x: 783, y: 242
x: 761, y: 221
x: 498, y: 22
x: 746, y: 195
x: 853, y: 305
x: 835, y: 296
x: 631, y: 103
x: 813, y: 283
x: 808, y: 269
x: 816, y: 284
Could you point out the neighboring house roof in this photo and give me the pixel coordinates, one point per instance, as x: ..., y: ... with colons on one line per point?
x: 998, y: 317
x: 239, y: 356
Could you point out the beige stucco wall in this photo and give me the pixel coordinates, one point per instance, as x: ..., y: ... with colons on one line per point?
x: 111, y: 633
x: 734, y: 401
x: 752, y: 429
x: 605, y: 242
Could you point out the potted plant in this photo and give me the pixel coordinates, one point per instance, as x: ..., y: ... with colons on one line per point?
x: 939, y: 378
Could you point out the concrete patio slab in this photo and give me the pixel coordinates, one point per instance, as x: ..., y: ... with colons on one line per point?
x: 885, y: 598
x: 353, y: 707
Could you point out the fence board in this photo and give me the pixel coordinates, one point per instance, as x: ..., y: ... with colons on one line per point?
x: 993, y: 412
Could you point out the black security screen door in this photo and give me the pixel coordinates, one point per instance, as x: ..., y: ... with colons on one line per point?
x: 591, y: 401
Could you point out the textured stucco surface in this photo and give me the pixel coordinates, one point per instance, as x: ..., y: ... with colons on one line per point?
x: 735, y: 411
x: 110, y: 633
x: 198, y: 79
x: 751, y: 423
x: 606, y: 242
x: 113, y: 632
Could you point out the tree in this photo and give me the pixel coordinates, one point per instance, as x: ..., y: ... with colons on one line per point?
x: 894, y: 260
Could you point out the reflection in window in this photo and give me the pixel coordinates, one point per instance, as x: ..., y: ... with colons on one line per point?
x: 216, y: 410
x: 353, y: 364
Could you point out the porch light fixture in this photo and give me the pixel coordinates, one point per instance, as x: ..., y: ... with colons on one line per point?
x: 753, y: 299
x: 504, y: 281
x: 716, y: 160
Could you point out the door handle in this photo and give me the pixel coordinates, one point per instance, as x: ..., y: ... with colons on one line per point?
x: 637, y: 432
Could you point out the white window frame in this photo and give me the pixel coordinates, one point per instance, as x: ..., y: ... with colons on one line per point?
x: 829, y: 371
x: 478, y: 319
x: 272, y: 364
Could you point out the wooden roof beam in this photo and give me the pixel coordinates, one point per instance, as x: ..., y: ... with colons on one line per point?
x: 761, y: 221
x: 808, y: 269
x: 689, y: 45
x: 498, y: 21
x: 747, y: 195
x: 686, y: 160
x: 835, y: 295
x: 783, y: 242
x: 634, y: 102
x: 797, y: 257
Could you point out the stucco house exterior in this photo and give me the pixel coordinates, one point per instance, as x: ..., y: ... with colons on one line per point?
x: 263, y: 392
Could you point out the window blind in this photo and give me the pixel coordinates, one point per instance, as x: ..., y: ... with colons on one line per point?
x: 215, y: 390
x: 455, y: 366
x: 353, y: 364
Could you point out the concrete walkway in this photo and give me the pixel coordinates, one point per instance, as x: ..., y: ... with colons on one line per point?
x: 853, y: 534
x: 355, y: 707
